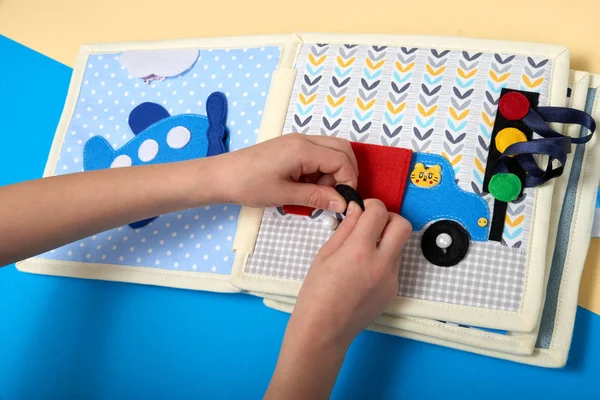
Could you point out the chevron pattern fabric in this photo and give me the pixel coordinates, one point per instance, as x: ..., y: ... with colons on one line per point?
x: 428, y: 100
x: 337, y: 92
x: 461, y: 98
x: 400, y: 83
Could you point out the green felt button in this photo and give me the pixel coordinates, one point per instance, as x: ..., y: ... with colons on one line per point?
x: 505, y: 187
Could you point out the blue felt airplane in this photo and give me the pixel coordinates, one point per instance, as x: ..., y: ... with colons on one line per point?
x: 160, y: 137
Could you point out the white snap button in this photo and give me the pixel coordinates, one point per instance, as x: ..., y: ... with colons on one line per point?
x: 443, y: 240
x: 330, y: 223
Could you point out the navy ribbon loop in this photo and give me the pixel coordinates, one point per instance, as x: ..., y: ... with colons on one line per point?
x: 554, y: 148
x: 553, y: 145
x: 538, y: 120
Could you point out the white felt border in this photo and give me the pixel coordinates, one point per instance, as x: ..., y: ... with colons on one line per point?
x: 513, y: 343
x: 282, y: 84
x: 492, y: 344
x: 531, y: 305
x: 539, y: 357
x: 579, y: 239
x: 135, y: 274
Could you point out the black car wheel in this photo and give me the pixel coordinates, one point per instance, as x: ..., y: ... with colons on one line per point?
x: 445, y: 243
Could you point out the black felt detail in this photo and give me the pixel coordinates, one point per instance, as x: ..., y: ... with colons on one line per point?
x: 515, y: 168
x: 497, y: 224
x: 350, y: 194
x: 501, y: 123
x: 451, y: 255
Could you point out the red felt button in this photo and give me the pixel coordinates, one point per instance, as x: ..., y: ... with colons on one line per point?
x: 514, y: 106
x: 382, y: 174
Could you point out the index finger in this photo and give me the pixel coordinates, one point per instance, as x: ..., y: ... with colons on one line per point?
x: 372, y: 222
x: 336, y: 144
x: 329, y: 161
x: 395, y: 235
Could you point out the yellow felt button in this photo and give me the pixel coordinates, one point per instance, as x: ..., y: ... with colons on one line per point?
x: 508, y: 136
x: 482, y: 222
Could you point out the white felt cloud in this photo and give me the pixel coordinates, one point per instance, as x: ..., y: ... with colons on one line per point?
x: 158, y: 63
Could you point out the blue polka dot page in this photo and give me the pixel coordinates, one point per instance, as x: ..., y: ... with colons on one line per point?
x: 197, y: 240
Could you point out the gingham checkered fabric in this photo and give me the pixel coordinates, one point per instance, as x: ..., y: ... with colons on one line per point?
x: 286, y: 245
x: 491, y: 276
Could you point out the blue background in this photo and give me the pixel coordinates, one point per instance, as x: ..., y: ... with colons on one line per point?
x: 67, y: 338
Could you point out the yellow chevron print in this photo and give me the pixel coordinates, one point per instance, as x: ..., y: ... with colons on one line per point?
x: 306, y: 101
x: 435, y: 72
x: 396, y: 110
x: 346, y: 64
x: 364, y: 106
x: 374, y: 66
x: 406, y: 68
x: 500, y: 78
x: 426, y: 113
x: 334, y: 103
x: 317, y: 62
x: 487, y: 119
x: 514, y: 222
x: 460, y: 116
x: 479, y: 166
x: 456, y: 160
x: 533, y: 84
x: 465, y: 75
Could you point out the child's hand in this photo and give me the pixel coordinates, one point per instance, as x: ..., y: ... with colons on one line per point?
x: 82, y: 204
x: 355, y: 274
x: 352, y: 280
x: 293, y: 169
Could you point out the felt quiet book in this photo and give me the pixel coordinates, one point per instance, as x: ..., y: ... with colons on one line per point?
x: 486, y: 147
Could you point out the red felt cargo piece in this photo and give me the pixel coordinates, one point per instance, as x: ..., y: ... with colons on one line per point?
x: 382, y: 173
x: 298, y: 210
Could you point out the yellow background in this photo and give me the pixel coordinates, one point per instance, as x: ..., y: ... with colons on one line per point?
x: 57, y: 28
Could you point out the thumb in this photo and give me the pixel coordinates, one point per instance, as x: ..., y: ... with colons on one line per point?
x: 315, y: 196
x: 343, y: 231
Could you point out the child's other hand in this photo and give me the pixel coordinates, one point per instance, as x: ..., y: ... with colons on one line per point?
x: 354, y: 277
x: 351, y: 281
x: 292, y: 169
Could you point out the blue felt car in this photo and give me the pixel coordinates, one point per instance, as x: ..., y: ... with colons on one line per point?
x: 452, y: 217
x: 444, y: 201
x: 448, y: 217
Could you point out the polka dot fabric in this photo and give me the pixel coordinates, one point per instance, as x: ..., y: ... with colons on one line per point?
x: 194, y: 240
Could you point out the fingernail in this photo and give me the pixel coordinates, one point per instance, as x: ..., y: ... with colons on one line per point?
x: 335, y: 206
x: 351, y: 207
